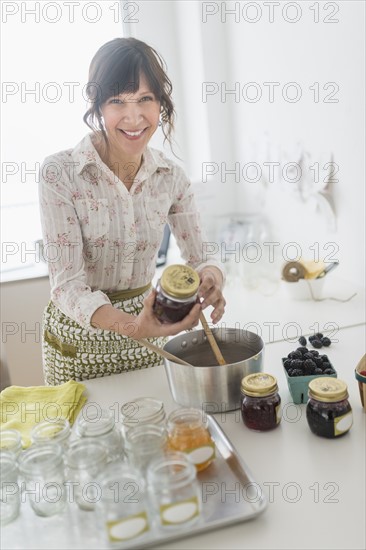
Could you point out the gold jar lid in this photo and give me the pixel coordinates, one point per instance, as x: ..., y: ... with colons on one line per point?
x: 180, y: 281
x: 259, y: 384
x: 328, y: 389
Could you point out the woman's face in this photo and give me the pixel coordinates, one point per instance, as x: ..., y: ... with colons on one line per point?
x: 130, y: 119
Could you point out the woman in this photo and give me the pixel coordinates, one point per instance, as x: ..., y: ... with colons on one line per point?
x: 104, y: 205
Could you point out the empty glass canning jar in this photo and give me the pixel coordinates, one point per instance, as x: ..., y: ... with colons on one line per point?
x: 100, y: 425
x: 123, y: 505
x: 328, y: 411
x: 42, y: 469
x: 86, y: 459
x: 188, y: 432
x: 142, y: 410
x: 176, y: 293
x: 11, y: 440
x: 52, y: 430
x: 145, y: 442
x: 261, y: 403
x: 9, y: 489
x: 174, y: 491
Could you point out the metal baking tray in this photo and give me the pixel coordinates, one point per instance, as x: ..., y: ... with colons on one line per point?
x: 229, y: 493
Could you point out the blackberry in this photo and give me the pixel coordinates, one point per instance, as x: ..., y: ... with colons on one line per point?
x: 309, y: 355
x: 324, y: 358
x: 326, y: 365
x: 295, y: 355
x: 318, y: 335
x: 309, y: 366
x: 329, y: 371
x: 302, y: 340
x: 326, y: 341
x: 318, y: 361
x: 290, y: 371
x: 302, y: 350
x: 297, y: 372
x: 312, y: 337
x: 287, y: 363
x: 314, y: 352
x: 317, y: 344
x: 318, y: 371
x: 296, y: 364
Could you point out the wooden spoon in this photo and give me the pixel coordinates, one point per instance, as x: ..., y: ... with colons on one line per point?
x: 210, y: 337
x: 162, y: 352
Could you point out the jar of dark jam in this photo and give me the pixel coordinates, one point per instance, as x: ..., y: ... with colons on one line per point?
x: 261, y: 403
x: 176, y: 293
x: 328, y: 411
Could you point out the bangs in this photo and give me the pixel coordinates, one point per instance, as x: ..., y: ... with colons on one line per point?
x: 122, y: 76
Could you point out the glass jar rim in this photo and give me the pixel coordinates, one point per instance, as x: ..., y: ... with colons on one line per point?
x: 145, y: 436
x: 49, y: 452
x: 172, y: 468
x: 11, y: 434
x: 187, y: 418
x: 88, y: 450
x: 40, y: 431
x: 148, y: 408
x: 97, y: 424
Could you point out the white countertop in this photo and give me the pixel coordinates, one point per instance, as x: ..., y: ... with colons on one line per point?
x: 315, y: 487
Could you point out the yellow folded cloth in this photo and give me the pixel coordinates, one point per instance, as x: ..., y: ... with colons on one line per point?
x: 303, y: 269
x: 23, y: 407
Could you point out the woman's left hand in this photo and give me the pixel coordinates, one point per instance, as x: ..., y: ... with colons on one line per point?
x: 210, y: 292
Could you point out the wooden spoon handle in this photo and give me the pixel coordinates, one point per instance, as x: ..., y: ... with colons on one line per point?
x: 215, y: 348
x: 162, y: 352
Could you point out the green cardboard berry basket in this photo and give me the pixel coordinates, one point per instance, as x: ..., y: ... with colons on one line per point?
x: 299, y: 385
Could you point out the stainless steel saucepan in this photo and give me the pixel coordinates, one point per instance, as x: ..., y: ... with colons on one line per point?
x: 204, y: 383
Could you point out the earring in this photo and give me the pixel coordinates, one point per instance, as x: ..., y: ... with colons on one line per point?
x: 160, y: 123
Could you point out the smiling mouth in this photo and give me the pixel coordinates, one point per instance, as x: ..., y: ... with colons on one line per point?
x: 132, y: 135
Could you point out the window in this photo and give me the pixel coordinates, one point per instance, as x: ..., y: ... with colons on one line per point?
x: 46, y: 51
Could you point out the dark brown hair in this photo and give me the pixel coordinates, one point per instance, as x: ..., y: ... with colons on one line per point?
x: 116, y: 69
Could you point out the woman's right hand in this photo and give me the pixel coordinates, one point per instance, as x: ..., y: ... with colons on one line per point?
x: 147, y: 325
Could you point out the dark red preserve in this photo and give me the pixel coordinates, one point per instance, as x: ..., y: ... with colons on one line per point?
x: 176, y: 293
x: 261, y: 403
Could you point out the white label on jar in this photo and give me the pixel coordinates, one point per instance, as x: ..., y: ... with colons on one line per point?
x: 127, y: 528
x: 343, y: 423
x: 179, y: 512
x: 201, y: 454
x: 278, y: 414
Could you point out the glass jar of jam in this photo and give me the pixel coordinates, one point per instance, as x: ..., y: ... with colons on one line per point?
x: 261, y: 403
x: 176, y: 293
x: 188, y: 432
x: 328, y: 411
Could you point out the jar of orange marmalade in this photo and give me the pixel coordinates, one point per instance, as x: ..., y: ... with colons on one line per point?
x: 176, y: 293
x: 188, y: 433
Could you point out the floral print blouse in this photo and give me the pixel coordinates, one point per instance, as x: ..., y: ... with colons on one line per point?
x: 100, y: 237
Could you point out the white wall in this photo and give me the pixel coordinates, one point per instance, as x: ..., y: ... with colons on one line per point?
x: 227, y: 50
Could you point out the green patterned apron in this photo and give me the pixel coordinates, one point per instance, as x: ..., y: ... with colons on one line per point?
x: 71, y: 352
